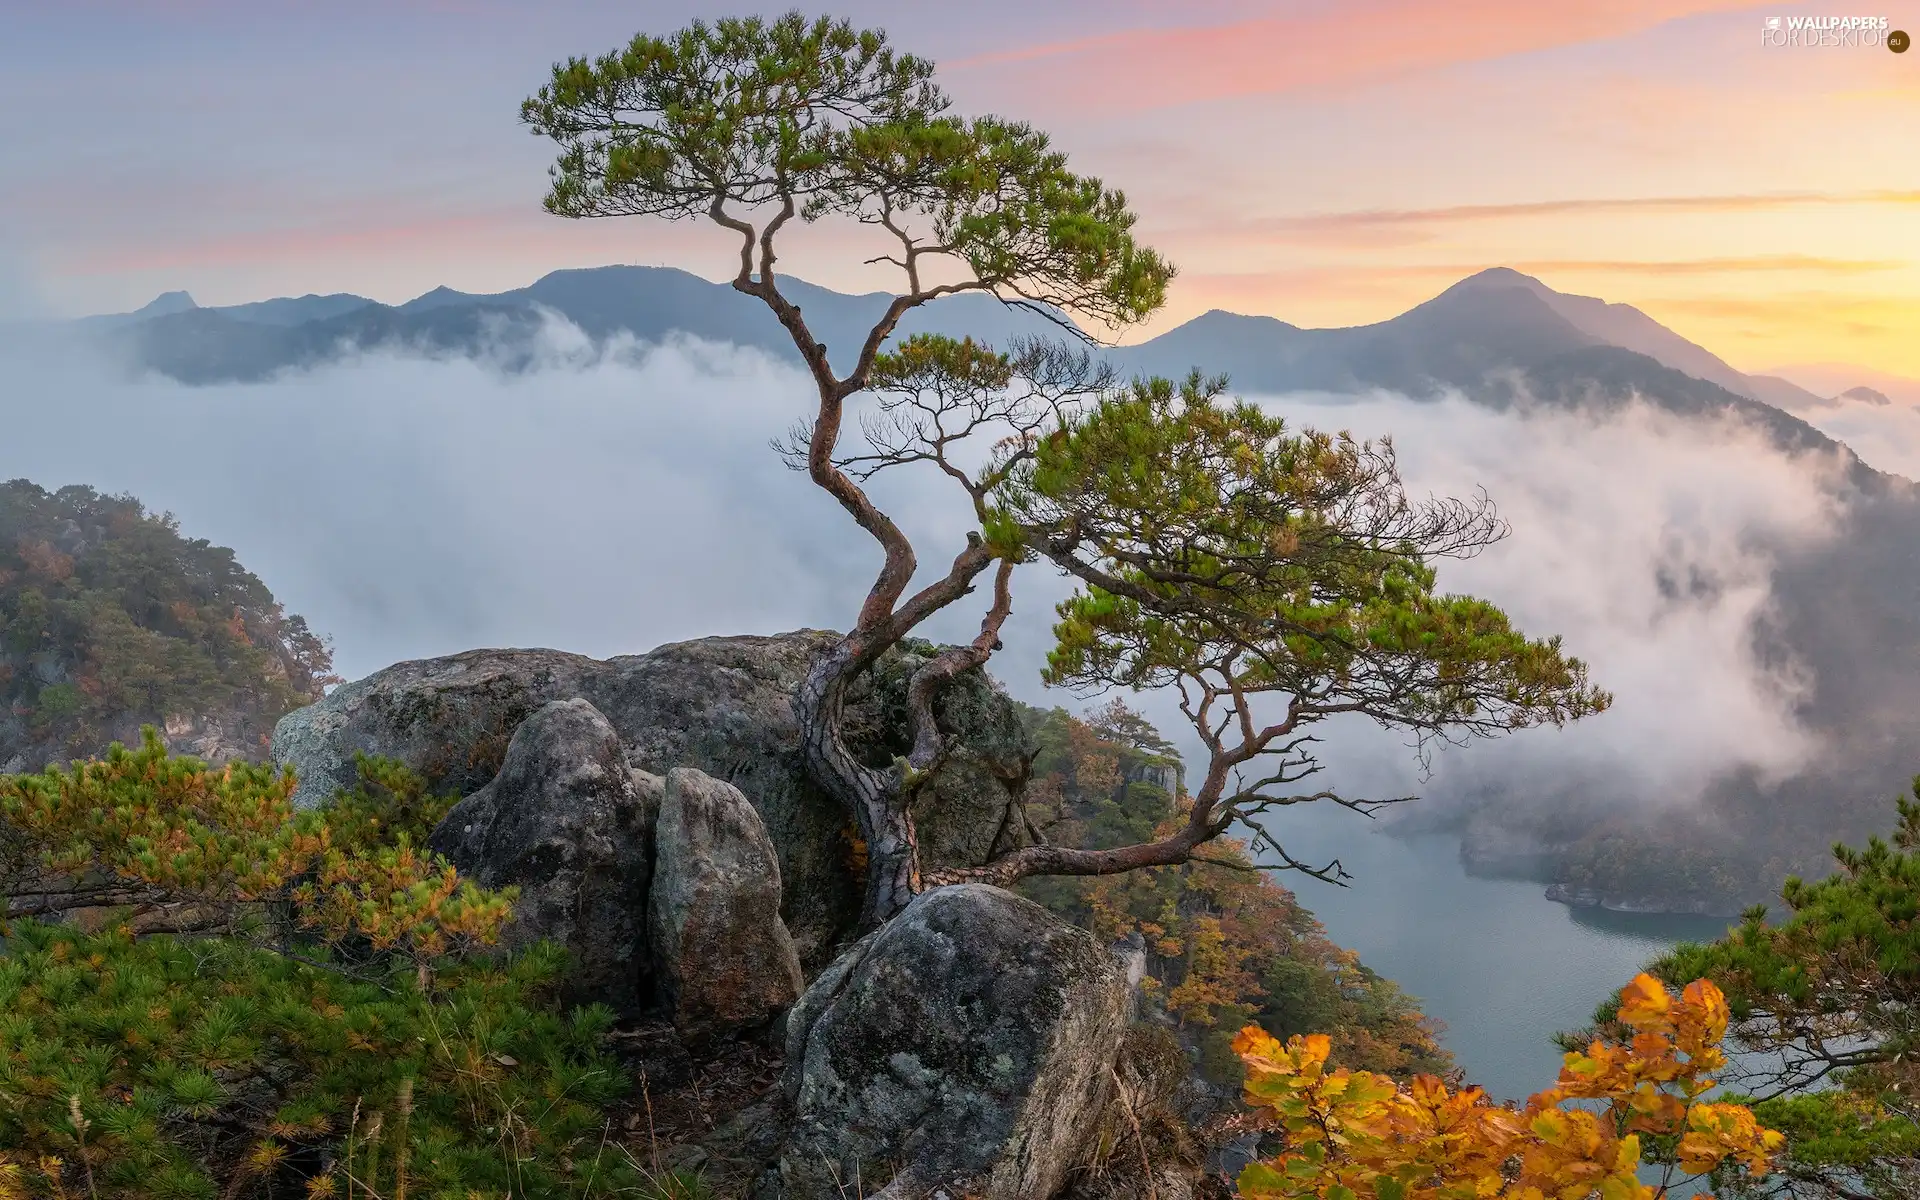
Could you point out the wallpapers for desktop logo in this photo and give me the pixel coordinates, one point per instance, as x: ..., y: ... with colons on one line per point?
x: 1832, y: 32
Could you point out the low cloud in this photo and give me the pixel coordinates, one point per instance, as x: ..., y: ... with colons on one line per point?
x: 1648, y: 541
x: 617, y: 497
x: 1885, y: 435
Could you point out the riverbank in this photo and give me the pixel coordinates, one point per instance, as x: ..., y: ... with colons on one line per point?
x: 1500, y: 965
x: 1581, y: 898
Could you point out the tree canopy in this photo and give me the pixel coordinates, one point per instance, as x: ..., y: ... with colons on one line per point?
x: 813, y: 118
x: 1218, y: 550
x: 1276, y: 579
x: 1617, y: 1104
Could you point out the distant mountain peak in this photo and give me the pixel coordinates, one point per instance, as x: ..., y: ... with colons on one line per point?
x: 1501, y: 277
x: 167, y: 302
x: 1863, y: 395
x: 1625, y: 326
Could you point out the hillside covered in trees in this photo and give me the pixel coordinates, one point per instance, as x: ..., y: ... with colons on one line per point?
x: 110, y: 619
x: 1225, y: 944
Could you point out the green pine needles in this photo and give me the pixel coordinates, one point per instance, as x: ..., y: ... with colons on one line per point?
x: 1829, y: 997
x: 320, y: 1013
x: 189, y: 1068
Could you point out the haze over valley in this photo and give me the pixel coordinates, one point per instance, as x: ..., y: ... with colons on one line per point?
x: 583, y: 464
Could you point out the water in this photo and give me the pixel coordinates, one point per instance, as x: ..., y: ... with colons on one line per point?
x: 1503, y: 967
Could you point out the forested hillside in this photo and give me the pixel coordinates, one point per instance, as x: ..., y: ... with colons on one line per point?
x: 1225, y: 944
x: 110, y: 619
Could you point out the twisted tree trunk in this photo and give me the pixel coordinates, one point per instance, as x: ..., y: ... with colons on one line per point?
x: 875, y: 799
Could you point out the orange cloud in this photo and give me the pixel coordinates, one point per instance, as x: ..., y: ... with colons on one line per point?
x: 1375, y: 218
x: 1770, y: 263
x: 1355, y: 41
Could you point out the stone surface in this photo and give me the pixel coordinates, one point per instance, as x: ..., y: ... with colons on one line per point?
x: 723, y: 960
x: 969, y: 1044
x: 722, y: 705
x: 1145, y: 1146
x: 571, y: 825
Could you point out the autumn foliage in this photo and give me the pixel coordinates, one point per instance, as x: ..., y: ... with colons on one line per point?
x: 309, y: 1018
x: 1225, y: 944
x: 156, y: 831
x: 1354, y: 1135
x: 110, y: 617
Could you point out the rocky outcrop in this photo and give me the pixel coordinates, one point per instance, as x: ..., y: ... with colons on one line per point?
x: 721, y: 705
x: 967, y: 1044
x: 723, y: 960
x: 1639, y: 905
x: 568, y: 823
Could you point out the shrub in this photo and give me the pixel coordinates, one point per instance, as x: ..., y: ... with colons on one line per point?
x: 1354, y: 1135
x: 189, y: 1068
x: 341, y: 1033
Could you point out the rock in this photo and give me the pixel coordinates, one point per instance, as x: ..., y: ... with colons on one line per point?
x: 1131, y: 951
x: 723, y: 960
x: 969, y: 1044
x: 1635, y: 903
x: 569, y: 823
x: 448, y: 718
x: 721, y: 705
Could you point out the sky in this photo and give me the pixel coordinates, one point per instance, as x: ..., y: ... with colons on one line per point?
x: 1327, y: 162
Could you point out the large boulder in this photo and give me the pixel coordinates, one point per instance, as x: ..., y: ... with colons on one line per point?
x: 567, y: 822
x: 722, y: 705
x: 723, y: 960
x: 967, y: 1044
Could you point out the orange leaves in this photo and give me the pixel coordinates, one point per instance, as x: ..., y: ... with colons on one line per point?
x: 1359, y: 1136
x: 43, y: 560
x: 1721, y: 1131
x: 1675, y: 1045
x: 1644, y: 1002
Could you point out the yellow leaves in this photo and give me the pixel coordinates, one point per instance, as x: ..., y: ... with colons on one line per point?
x: 1644, y: 1002
x: 265, y: 1158
x: 1359, y: 1136
x: 1720, y: 1131
x: 229, y: 837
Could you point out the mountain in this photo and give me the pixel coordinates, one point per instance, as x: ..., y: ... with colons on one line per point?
x: 1840, y: 379
x: 1497, y: 318
x: 1863, y: 395
x: 255, y: 341
x: 110, y: 619
x: 297, y: 310
x: 164, y: 305
x: 1495, y: 336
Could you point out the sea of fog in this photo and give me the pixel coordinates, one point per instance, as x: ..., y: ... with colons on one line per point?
x: 618, y: 497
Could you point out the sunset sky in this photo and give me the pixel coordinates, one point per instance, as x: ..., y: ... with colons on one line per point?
x: 1328, y: 162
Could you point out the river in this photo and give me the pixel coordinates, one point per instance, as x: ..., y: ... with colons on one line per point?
x: 1502, y: 966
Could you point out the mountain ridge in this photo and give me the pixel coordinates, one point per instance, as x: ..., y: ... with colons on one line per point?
x: 1498, y: 337
x: 1492, y: 335
x: 1599, y: 320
